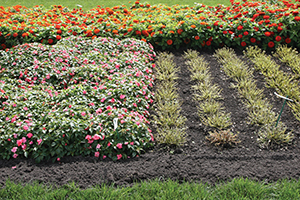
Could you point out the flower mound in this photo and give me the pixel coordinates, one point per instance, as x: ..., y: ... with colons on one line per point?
x: 61, y: 100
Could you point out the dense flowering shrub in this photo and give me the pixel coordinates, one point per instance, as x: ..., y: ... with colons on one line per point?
x: 242, y: 24
x: 62, y: 99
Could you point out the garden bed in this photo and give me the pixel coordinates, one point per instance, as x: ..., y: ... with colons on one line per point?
x: 196, y: 160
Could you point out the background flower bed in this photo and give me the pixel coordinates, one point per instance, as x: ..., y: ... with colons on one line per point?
x: 165, y: 27
x: 61, y: 100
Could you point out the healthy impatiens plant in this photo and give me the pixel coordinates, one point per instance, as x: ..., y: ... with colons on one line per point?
x: 246, y: 23
x: 61, y: 100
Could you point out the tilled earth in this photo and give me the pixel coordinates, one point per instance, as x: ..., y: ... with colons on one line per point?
x: 197, y: 160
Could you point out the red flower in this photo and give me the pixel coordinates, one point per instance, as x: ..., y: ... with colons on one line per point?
x: 170, y: 42
x: 279, y: 29
x: 145, y: 33
x: 50, y: 41
x: 187, y: 40
x: 197, y: 37
x: 240, y: 27
x: 57, y: 26
x: 74, y: 33
x: 224, y: 32
x: 297, y: 18
x: 58, y: 37
x: 288, y: 40
x: 179, y: 31
x: 253, y: 40
x: 58, y: 31
x: 278, y: 38
x: 138, y: 32
x: 243, y: 44
x: 268, y: 34
x: 208, y: 43
x: 271, y: 44
x: 246, y: 33
x: 15, y: 34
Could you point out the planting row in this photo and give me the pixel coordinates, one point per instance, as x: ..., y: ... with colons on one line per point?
x: 168, y: 121
x: 266, y: 24
x: 210, y: 109
x: 259, y: 109
x: 62, y: 100
x: 286, y: 84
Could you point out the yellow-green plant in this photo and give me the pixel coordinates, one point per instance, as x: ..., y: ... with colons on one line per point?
x: 210, y: 110
x: 166, y: 69
x: 289, y: 56
x: 284, y: 83
x: 169, y: 123
x: 223, y: 138
x: 269, y: 135
x: 259, y: 110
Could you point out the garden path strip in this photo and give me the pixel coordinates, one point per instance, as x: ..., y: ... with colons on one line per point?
x: 197, y: 160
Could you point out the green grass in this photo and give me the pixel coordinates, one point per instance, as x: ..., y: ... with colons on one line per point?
x: 89, y: 4
x: 236, y: 189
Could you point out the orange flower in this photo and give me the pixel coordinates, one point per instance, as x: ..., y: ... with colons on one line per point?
x: 96, y: 31
x: 25, y: 35
x: 130, y: 29
x: 15, y: 34
x: 144, y: 40
x: 193, y: 26
x: 115, y: 31
x: 170, y: 42
x: 172, y: 32
x: 163, y: 26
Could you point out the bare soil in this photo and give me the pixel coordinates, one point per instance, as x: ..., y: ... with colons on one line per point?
x: 197, y: 160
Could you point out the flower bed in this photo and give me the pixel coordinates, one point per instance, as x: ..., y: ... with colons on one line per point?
x: 239, y: 25
x: 61, y: 100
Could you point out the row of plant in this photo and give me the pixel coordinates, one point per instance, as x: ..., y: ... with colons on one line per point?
x: 266, y: 24
x: 210, y: 109
x: 62, y: 100
x: 169, y: 123
x: 259, y: 109
x: 284, y: 83
x: 289, y: 56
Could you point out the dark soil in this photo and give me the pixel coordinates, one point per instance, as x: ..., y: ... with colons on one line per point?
x: 197, y: 160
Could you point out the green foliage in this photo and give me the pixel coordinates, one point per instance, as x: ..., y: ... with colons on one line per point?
x: 224, y: 138
x: 269, y: 135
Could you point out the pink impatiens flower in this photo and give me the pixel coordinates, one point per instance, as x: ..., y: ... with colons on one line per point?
x: 98, y: 146
x: 15, y: 155
x: 119, y: 145
x: 108, y: 144
x: 14, y: 149
x: 88, y: 137
x: 104, y: 157
x: 25, y: 128
x: 19, y: 142
x: 39, y: 141
x: 119, y: 156
x: 122, y: 96
x: 97, y: 154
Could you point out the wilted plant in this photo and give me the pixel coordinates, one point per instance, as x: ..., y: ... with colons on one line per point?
x: 224, y: 138
x: 269, y: 135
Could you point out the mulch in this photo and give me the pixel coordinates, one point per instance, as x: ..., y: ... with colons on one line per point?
x: 196, y: 161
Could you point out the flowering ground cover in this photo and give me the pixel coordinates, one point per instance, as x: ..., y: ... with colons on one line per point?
x: 61, y: 100
x: 166, y: 27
